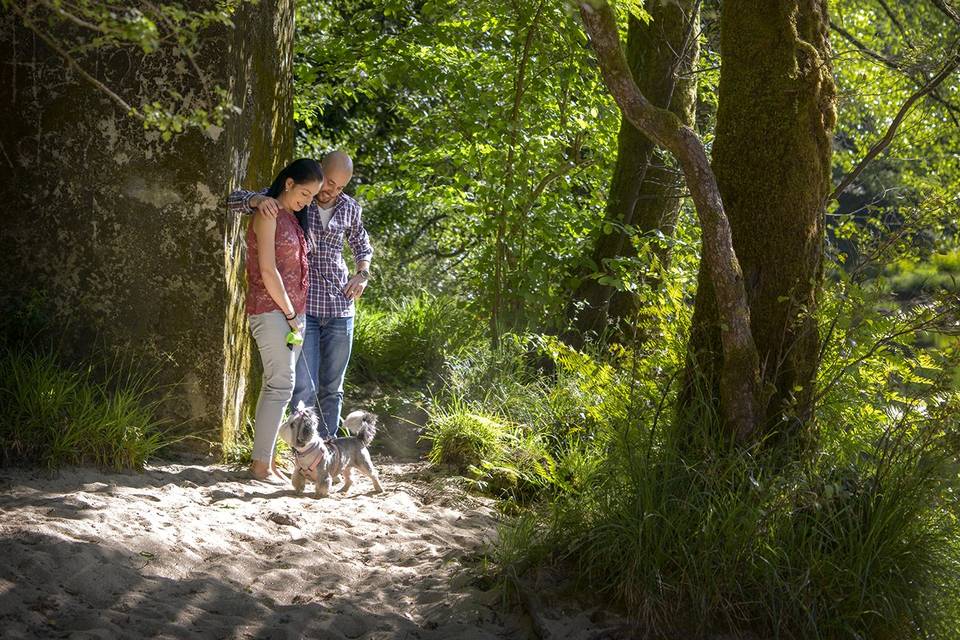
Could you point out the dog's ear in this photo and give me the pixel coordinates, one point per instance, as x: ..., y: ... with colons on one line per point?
x: 300, y: 406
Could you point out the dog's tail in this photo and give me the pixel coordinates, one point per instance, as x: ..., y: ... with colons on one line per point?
x: 368, y: 429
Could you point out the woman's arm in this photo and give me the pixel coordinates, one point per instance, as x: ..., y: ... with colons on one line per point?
x: 266, y: 230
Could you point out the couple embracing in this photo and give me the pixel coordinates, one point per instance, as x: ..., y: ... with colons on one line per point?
x: 298, y: 285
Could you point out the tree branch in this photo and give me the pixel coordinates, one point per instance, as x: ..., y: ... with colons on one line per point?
x: 80, y: 22
x: 888, y: 137
x: 548, y: 179
x: 28, y: 23
x: 952, y: 109
x: 896, y: 22
x: 500, y: 247
x: 186, y: 50
x: 947, y: 10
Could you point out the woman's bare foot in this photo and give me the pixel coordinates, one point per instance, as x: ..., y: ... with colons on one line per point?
x: 261, y: 470
x: 267, y: 473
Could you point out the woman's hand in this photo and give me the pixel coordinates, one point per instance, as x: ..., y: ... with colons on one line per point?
x: 296, y: 324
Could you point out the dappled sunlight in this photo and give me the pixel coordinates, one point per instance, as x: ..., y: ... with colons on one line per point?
x: 184, y: 549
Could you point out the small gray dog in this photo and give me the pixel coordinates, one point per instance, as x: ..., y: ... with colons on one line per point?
x: 322, y: 461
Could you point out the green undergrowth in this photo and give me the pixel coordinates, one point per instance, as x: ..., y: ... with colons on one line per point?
x: 826, y: 548
x: 857, y: 537
x: 911, y: 278
x: 406, y: 343
x: 515, y: 431
x: 55, y: 415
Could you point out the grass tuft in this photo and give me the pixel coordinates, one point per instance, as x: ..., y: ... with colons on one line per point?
x: 407, y: 342
x: 53, y: 415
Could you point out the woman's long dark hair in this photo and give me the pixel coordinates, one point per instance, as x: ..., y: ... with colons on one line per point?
x: 302, y: 171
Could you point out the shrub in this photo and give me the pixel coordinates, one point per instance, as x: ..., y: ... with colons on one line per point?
x: 910, y: 278
x: 501, y: 458
x: 463, y: 439
x: 861, y: 541
x: 856, y: 538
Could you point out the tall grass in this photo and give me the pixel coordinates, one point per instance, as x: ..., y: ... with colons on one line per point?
x: 515, y: 432
x: 692, y: 546
x: 407, y: 342
x: 54, y: 415
x: 501, y: 458
x: 856, y: 539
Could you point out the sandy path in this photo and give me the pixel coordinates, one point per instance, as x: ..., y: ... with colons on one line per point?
x: 196, y: 551
x: 199, y: 551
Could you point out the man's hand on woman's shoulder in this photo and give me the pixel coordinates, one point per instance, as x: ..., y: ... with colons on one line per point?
x: 266, y: 205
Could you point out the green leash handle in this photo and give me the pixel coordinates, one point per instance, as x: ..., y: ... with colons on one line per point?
x: 294, y: 338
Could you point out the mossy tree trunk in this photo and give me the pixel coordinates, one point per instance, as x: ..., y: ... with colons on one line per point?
x: 739, y: 378
x: 771, y: 157
x: 644, y: 191
x: 123, y: 237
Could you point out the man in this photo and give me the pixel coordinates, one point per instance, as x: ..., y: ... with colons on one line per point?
x: 328, y: 336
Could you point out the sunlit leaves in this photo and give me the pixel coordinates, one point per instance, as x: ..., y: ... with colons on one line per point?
x: 880, y: 60
x: 424, y: 96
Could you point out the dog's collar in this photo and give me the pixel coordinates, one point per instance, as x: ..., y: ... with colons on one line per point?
x: 299, y: 454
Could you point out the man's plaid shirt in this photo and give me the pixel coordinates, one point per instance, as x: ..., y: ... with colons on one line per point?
x: 328, y: 270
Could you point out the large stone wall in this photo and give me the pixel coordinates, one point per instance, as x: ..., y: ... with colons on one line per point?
x: 124, y: 237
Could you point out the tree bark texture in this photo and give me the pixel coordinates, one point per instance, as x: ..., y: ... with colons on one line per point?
x: 644, y: 191
x: 739, y: 378
x: 123, y: 237
x: 771, y: 157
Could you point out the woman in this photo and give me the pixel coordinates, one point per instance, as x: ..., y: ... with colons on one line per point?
x: 276, y: 298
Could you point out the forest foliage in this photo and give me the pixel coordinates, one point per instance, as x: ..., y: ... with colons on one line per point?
x: 490, y: 207
x: 485, y: 138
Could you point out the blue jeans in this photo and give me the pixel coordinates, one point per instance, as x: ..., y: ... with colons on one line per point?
x: 320, y: 372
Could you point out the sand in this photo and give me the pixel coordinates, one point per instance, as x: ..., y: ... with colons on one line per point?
x: 199, y: 551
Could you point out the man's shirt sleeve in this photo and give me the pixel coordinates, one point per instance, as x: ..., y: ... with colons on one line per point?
x: 239, y: 201
x: 358, y: 238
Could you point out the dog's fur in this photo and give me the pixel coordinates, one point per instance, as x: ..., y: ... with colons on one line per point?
x: 321, y: 461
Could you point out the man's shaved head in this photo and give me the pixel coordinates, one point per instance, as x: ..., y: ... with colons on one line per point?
x: 337, y: 172
x: 337, y: 162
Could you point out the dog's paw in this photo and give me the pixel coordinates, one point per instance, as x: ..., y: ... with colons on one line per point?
x: 298, y: 481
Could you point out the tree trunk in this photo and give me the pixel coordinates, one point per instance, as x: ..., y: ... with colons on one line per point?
x: 645, y: 185
x: 126, y: 236
x: 739, y: 377
x: 771, y: 157
x: 504, y: 300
